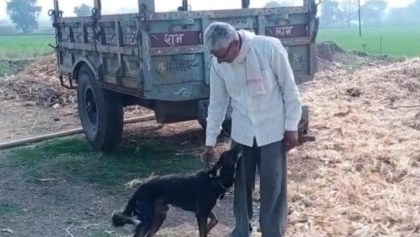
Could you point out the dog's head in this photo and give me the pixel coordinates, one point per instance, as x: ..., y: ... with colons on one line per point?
x: 225, y: 168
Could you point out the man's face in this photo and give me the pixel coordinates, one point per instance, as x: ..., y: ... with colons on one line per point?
x: 228, y: 54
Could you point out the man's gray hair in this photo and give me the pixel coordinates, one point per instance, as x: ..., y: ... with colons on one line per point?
x: 219, y: 35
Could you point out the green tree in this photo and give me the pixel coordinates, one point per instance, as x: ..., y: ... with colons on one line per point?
x: 415, y: 10
x: 278, y: 3
x: 405, y: 16
x: 24, y: 14
x: 330, y: 13
x: 83, y: 10
x: 372, y: 12
x: 349, y: 10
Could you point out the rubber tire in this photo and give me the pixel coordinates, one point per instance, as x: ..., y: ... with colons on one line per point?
x: 105, y: 133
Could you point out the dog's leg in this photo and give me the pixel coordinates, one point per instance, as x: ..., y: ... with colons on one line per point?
x: 148, y: 211
x: 161, y: 210
x: 143, y: 230
x: 159, y: 219
x: 202, y: 225
x: 213, y: 222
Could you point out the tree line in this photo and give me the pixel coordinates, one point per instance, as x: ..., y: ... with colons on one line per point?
x: 333, y: 13
x: 373, y: 13
x: 24, y: 13
x: 344, y: 13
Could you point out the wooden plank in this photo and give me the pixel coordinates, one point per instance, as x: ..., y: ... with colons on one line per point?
x: 177, y: 50
x: 171, y: 39
x: 121, y: 71
x: 159, y: 16
x: 101, y: 48
x: 207, y: 58
x: 261, y: 25
x: 288, y: 31
x: 295, y: 41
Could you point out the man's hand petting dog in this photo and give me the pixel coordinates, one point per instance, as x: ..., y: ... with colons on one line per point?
x: 291, y: 139
x: 208, y: 156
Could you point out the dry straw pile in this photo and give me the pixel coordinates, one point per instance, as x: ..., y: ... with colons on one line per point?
x: 364, y: 178
x: 37, y: 83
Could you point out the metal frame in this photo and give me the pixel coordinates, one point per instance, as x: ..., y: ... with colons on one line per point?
x: 144, y: 50
x: 109, y: 44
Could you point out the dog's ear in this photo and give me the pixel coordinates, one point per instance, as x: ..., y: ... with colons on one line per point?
x: 218, y: 171
x: 215, y: 170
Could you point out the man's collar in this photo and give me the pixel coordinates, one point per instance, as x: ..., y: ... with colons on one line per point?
x: 245, y: 39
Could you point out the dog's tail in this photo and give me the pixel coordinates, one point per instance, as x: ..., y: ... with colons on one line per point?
x: 119, y: 219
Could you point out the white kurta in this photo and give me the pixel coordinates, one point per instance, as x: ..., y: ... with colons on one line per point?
x: 263, y: 117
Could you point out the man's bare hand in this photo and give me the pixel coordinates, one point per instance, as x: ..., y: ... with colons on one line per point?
x: 208, y: 156
x: 291, y: 139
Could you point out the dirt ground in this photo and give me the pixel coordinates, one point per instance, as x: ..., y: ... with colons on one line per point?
x: 61, y: 208
x: 22, y: 120
x: 53, y: 204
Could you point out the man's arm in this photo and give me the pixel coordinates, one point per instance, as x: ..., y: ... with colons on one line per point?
x: 291, y: 96
x: 219, y: 101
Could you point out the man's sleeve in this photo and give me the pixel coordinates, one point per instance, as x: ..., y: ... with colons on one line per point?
x: 219, y: 101
x: 291, y: 97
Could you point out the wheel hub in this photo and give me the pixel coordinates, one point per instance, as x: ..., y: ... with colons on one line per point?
x: 91, y: 108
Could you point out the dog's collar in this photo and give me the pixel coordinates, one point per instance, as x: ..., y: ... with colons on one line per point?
x: 218, y: 183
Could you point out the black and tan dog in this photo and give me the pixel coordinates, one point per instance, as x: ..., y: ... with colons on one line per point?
x: 197, y: 193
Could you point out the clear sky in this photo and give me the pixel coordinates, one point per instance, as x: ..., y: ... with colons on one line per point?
x: 113, y: 6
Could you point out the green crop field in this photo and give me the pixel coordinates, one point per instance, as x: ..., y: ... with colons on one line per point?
x: 396, y: 41
x: 25, y: 46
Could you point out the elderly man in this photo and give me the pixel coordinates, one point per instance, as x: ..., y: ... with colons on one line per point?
x: 254, y: 73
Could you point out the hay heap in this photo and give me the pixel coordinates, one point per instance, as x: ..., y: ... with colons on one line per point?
x: 331, y: 57
x: 364, y: 178
x: 37, y: 83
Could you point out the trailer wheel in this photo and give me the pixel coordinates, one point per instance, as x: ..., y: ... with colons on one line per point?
x: 101, y: 112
